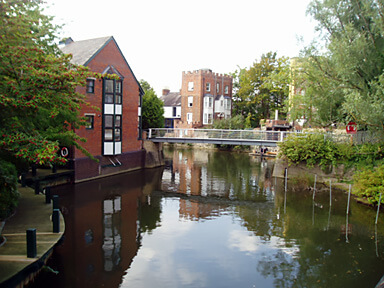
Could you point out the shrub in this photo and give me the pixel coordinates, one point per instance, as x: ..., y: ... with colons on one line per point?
x: 310, y: 148
x: 9, y: 195
x: 369, y: 184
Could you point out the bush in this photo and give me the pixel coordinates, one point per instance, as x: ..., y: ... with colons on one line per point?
x: 9, y: 196
x: 311, y: 149
x: 369, y: 184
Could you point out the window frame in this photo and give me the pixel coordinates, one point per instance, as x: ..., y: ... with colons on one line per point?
x: 190, y: 101
x: 91, y: 125
x: 90, y: 89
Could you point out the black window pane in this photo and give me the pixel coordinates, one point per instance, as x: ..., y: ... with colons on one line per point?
x: 118, y: 121
x: 118, y: 87
x: 117, y: 134
x: 108, y: 134
x: 108, y: 121
x: 109, y: 98
x: 90, y: 86
x: 118, y: 99
x: 108, y: 86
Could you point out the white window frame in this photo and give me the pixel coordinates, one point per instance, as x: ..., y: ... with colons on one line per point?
x: 208, y: 87
x: 190, y: 101
x: 189, y: 118
x: 226, y: 89
x: 190, y: 86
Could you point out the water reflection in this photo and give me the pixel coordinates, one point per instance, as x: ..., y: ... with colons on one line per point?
x: 213, y: 219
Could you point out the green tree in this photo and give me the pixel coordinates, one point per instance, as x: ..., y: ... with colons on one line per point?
x: 153, y: 108
x: 262, y: 88
x: 348, y: 62
x: 39, y: 105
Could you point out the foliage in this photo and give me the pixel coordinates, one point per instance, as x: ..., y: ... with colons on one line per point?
x: 261, y: 89
x: 345, y: 77
x: 9, y: 195
x: 234, y: 123
x: 318, y: 149
x: 153, y: 108
x: 369, y: 184
x: 39, y: 105
x: 310, y: 148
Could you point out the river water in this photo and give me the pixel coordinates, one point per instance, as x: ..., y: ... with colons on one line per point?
x: 212, y: 219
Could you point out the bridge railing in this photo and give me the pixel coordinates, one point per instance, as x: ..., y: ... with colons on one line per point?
x: 257, y: 135
x: 249, y: 135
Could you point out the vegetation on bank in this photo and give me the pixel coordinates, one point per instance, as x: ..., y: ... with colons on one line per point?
x: 366, y: 159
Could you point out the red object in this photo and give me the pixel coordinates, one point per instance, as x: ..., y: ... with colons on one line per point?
x: 351, y: 128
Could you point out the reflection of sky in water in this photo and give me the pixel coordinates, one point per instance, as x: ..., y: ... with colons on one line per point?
x: 205, y: 253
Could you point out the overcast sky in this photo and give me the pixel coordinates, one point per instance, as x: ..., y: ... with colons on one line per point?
x: 162, y: 38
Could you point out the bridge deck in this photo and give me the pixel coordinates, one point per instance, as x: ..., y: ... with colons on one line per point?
x: 214, y: 136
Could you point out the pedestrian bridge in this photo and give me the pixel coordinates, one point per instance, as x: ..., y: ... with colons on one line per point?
x: 214, y: 136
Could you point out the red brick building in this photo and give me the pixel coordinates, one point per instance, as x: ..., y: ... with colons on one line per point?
x: 114, y: 131
x: 205, y: 96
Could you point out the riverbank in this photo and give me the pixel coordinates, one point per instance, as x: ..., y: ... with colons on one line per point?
x: 16, y: 269
x: 338, y: 178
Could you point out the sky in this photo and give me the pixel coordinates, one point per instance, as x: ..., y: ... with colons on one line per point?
x: 162, y: 38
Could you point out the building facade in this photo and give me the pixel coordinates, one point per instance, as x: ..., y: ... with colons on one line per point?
x: 172, y: 108
x: 113, y: 132
x: 205, y: 96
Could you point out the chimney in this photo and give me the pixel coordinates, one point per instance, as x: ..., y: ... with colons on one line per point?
x: 166, y: 92
x: 65, y: 41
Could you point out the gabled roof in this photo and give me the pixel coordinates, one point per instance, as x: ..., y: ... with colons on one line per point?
x: 171, y: 99
x: 84, y: 51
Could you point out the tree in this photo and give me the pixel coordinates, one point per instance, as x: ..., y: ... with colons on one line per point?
x: 349, y: 61
x: 153, y: 108
x: 39, y: 105
x: 262, y: 88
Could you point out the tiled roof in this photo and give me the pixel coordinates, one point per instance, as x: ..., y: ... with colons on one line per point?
x: 85, y: 50
x: 171, y: 99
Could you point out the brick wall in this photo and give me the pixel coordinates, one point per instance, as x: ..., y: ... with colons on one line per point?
x: 110, y: 55
x: 200, y: 78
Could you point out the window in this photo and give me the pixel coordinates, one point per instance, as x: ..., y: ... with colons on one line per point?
x: 90, y: 85
x: 112, y: 91
x: 108, y: 127
x: 227, y: 104
x: 189, y: 118
x: 208, y: 102
x: 217, y: 87
x: 226, y: 89
x: 90, y: 121
x: 190, y: 86
x: 208, y: 87
x: 207, y: 118
x: 112, y: 128
x: 118, y: 91
x: 190, y: 101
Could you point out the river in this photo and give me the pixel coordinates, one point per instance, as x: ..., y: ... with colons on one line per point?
x: 212, y: 219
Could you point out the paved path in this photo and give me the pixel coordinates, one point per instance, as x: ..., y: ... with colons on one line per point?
x: 32, y: 212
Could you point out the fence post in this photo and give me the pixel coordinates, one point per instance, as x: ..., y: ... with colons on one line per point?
x: 56, y: 220
x: 48, y: 195
x: 150, y: 133
x: 31, y: 243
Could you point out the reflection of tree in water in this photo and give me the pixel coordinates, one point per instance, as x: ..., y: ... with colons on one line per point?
x: 243, y: 175
x: 149, y: 213
x: 312, y: 255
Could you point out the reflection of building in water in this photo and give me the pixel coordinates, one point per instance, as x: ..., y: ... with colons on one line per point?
x: 101, y: 237
x: 193, y: 210
x: 199, y: 173
x: 112, y: 237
